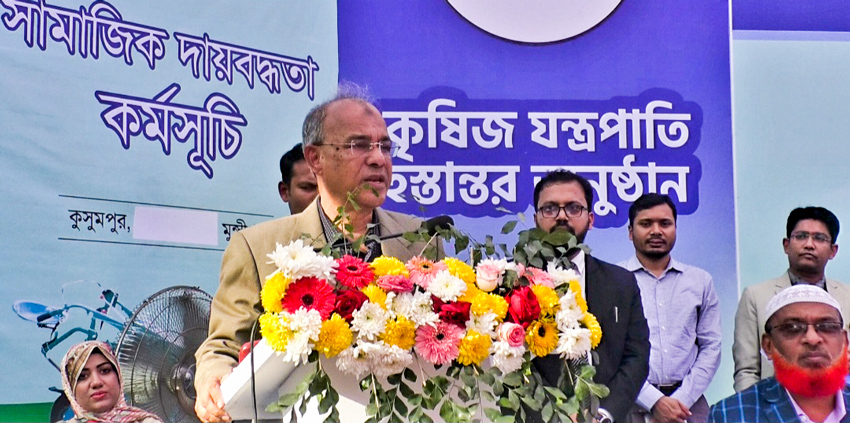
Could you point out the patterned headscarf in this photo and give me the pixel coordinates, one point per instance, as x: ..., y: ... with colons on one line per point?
x: 72, y: 366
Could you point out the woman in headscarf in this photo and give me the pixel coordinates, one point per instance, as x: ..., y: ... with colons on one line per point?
x: 92, y: 382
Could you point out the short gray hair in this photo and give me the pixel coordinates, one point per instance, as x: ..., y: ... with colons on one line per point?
x: 313, y: 130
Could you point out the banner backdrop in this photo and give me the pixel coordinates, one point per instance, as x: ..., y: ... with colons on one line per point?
x: 790, y: 67
x: 485, y: 97
x: 137, y: 136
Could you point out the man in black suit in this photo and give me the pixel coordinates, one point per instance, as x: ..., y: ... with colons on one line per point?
x: 564, y: 200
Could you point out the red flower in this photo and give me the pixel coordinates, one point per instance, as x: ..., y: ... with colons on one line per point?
x: 523, y: 307
x: 454, y: 312
x: 312, y: 294
x: 348, y: 301
x: 353, y: 272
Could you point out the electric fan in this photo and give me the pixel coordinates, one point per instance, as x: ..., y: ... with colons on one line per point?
x: 156, y: 352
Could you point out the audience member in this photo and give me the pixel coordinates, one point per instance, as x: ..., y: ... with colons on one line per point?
x: 810, y: 242
x: 805, y: 337
x: 297, y: 185
x: 683, y: 314
x: 564, y: 200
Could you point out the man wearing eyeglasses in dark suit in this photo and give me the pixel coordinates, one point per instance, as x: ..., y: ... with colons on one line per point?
x: 811, y: 236
x: 564, y: 200
x: 348, y: 149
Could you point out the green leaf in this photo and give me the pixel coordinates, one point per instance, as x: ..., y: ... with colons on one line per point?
x: 410, y: 375
x: 394, y: 379
x: 492, y: 414
x: 547, y: 412
x: 512, y: 379
x: 506, y: 419
x: 371, y: 408
x: 325, y: 404
x: 509, y: 227
x: 488, y: 396
x: 400, y: 407
x: 531, y: 402
x: 463, y: 395
x: 447, y: 412
x: 405, y: 390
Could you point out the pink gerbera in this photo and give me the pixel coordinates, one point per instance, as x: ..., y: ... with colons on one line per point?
x: 439, y: 343
x: 354, y: 272
x: 311, y: 294
x: 422, y: 270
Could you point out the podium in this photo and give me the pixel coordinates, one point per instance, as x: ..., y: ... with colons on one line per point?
x: 274, y: 377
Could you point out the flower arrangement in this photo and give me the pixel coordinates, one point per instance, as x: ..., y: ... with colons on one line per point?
x: 484, y: 324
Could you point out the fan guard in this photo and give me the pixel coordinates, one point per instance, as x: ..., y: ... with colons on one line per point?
x: 156, y: 352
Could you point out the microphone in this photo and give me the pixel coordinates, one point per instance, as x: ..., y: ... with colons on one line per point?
x: 432, y: 226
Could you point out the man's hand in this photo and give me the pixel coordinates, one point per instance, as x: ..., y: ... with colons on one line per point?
x: 209, y: 406
x: 670, y: 410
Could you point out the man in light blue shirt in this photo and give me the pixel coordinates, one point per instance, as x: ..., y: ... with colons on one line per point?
x: 683, y: 314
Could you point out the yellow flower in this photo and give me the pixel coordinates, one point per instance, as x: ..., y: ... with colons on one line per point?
x: 334, y: 337
x: 376, y: 295
x: 400, y: 332
x: 471, y: 293
x: 542, y: 337
x: 272, y: 292
x: 460, y: 270
x: 576, y: 288
x: 473, y: 348
x: 547, y: 298
x: 591, y: 323
x: 273, y: 330
x: 384, y: 265
x: 490, y: 303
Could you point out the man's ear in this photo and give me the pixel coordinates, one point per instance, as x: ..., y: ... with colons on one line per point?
x: 313, y: 157
x: 767, y: 345
x: 283, y: 190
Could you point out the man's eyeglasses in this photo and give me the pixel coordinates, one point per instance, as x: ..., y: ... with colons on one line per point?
x: 364, y: 147
x: 551, y: 211
x: 816, y: 237
x: 797, y: 329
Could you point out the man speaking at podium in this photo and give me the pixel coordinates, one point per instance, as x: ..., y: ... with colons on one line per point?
x: 347, y: 147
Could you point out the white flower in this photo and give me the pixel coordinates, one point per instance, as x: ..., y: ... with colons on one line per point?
x: 298, y: 349
x: 369, y: 321
x: 306, y: 322
x: 506, y: 358
x: 297, y: 260
x: 390, y: 359
x: 560, y: 275
x: 353, y: 361
x: 415, y: 307
x: 484, y: 324
x: 570, y: 313
x: 573, y: 343
x: 447, y: 287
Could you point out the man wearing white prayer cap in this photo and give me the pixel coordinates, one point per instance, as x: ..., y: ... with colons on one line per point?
x: 806, y: 339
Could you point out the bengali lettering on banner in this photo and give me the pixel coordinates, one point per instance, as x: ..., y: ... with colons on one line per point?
x: 478, y: 157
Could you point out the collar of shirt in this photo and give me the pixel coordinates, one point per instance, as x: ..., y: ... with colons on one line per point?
x: 373, y: 247
x: 834, y: 417
x: 634, y: 264
x: 796, y: 279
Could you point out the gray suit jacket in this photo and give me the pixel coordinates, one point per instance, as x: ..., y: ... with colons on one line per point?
x: 750, y: 364
x: 244, y: 267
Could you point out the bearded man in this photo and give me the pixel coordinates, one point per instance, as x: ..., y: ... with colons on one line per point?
x: 805, y: 338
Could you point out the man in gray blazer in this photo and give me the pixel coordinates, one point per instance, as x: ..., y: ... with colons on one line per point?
x: 347, y: 147
x: 810, y: 242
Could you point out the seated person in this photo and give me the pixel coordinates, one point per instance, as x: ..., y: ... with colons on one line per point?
x: 92, y: 382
